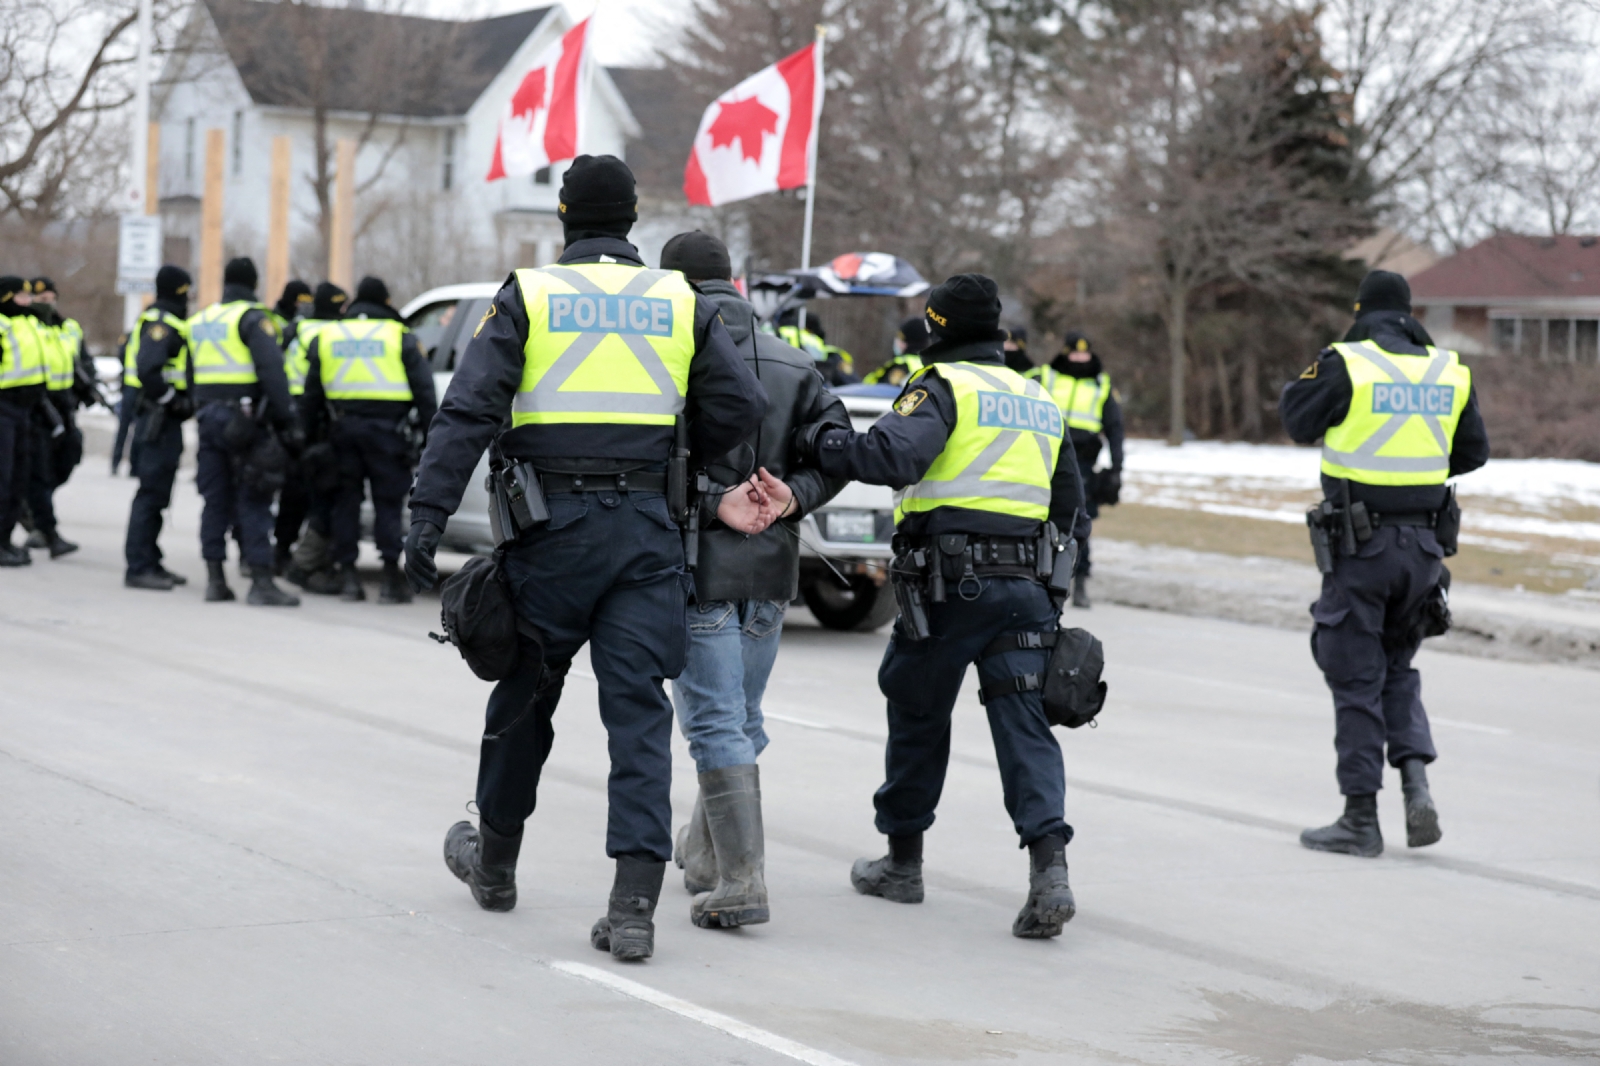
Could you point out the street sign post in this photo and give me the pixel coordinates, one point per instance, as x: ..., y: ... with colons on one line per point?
x: 138, y: 253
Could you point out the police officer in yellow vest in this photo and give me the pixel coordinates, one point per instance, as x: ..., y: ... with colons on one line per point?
x: 57, y: 442
x: 909, y: 340
x: 586, y: 365
x: 303, y: 530
x: 156, y: 364
x: 237, y: 366
x: 1082, y: 388
x: 364, y: 374
x: 22, y: 389
x: 972, y: 450
x: 1397, y: 417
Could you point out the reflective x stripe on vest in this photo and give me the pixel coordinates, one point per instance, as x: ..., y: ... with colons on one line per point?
x: 360, y: 360
x: 297, y: 360
x: 1002, y: 453
x: 1082, y: 400
x: 220, y: 355
x: 176, y: 370
x: 21, y: 352
x: 1402, y: 419
x: 607, y: 343
x: 58, y: 361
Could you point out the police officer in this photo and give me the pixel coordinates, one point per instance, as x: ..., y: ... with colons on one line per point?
x: 1016, y: 349
x: 57, y: 445
x: 1078, y: 381
x: 304, y: 558
x: 909, y: 340
x: 591, y: 360
x: 22, y: 388
x: 365, y: 374
x: 836, y: 365
x: 972, y: 450
x: 157, y: 354
x: 1397, y: 417
x: 294, y: 303
x: 235, y: 360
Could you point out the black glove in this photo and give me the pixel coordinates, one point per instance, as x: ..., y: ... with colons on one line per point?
x: 422, y: 542
x: 1110, y: 486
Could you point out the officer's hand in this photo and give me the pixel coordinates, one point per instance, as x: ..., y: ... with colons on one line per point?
x: 422, y: 543
x: 1110, y: 486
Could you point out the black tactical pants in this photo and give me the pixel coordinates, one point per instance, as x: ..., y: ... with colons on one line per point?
x: 606, y: 570
x: 16, y: 448
x: 230, y: 504
x: 156, y: 468
x: 53, y: 458
x: 1361, y: 643
x: 1091, y: 506
x: 922, y: 679
x: 369, y: 452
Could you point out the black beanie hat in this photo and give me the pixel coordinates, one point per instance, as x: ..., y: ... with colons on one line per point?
x: 372, y: 290
x: 240, y: 271
x: 598, y: 193
x: 43, y: 284
x: 10, y: 286
x: 1018, y: 335
x: 1074, y: 342
x: 328, y: 301
x: 966, y: 307
x: 172, y: 283
x: 293, y: 292
x: 700, y: 256
x: 1383, y: 290
x: 914, y: 334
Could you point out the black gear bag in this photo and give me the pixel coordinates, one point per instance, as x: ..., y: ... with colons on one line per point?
x: 1070, y: 685
x: 477, y: 616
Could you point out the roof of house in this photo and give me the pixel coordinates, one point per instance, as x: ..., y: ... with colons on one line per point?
x: 669, y: 115
x: 1512, y: 267
x: 352, y: 59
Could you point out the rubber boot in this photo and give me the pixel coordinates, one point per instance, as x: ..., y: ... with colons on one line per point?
x: 1080, y: 592
x: 1355, y: 833
x: 1050, y: 904
x: 264, y: 592
x: 217, y: 590
x: 897, y: 876
x: 628, y: 929
x: 1422, y: 817
x: 732, y: 798
x: 60, y: 545
x: 393, y: 587
x: 693, y: 853
x: 12, y: 555
x: 324, y: 582
x: 350, y: 590
x: 486, y: 861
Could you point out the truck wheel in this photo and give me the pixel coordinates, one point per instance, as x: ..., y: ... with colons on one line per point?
x: 864, y: 606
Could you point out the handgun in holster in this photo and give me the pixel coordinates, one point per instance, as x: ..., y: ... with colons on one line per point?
x: 683, y: 506
x: 907, y: 573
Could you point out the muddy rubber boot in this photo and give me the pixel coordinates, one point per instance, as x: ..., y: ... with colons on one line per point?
x: 393, y: 587
x: 60, y: 546
x: 1422, y: 817
x: 1355, y: 833
x: 264, y: 592
x: 897, y: 876
x: 732, y: 798
x: 350, y: 590
x: 1080, y: 592
x: 628, y: 929
x: 693, y: 854
x: 486, y: 861
x: 1050, y: 904
x: 217, y: 590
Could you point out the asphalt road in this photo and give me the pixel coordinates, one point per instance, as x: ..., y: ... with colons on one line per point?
x: 222, y: 827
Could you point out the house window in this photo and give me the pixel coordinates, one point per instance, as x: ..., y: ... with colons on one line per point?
x: 1530, y: 338
x: 1559, y: 346
x: 541, y: 176
x: 447, y: 178
x: 188, y: 150
x: 238, y: 142
x: 1586, y: 335
x: 1505, y: 336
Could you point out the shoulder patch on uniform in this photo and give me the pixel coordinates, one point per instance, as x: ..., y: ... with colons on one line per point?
x: 910, y: 401
x: 158, y: 332
x: 1309, y: 372
x: 487, y: 315
x: 268, y: 326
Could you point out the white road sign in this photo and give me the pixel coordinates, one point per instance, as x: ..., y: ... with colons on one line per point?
x: 138, y: 253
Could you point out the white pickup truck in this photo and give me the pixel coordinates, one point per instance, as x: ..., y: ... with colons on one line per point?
x: 844, y: 546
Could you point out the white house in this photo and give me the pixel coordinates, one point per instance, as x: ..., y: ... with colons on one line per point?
x: 422, y: 96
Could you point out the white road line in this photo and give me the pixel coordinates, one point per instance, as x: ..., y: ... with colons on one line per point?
x: 721, y: 1022
x: 806, y: 722
x: 1492, y: 730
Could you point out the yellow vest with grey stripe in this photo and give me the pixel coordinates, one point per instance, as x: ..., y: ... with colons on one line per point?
x: 21, y: 352
x: 607, y: 343
x: 1001, y: 455
x: 176, y: 370
x: 1402, y: 419
x: 1082, y: 400
x: 220, y: 355
x: 58, y: 360
x: 297, y: 360
x: 360, y: 360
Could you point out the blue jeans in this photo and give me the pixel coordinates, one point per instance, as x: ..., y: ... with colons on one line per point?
x: 732, y: 646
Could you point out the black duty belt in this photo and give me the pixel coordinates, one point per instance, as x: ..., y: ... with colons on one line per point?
x: 635, y: 481
x: 1426, y: 519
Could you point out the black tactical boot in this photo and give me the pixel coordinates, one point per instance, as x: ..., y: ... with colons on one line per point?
x: 350, y: 590
x: 486, y: 861
x: 154, y: 580
x: 897, y: 876
x: 59, y: 545
x: 264, y: 592
x: 217, y: 590
x: 11, y: 555
x: 1080, y: 591
x: 36, y: 539
x: 1050, y: 904
x: 393, y: 587
x: 1355, y: 833
x: 324, y: 582
x: 628, y: 930
x: 693, y: 853
x: 732, y: 798
x: 176, y: 579
x: 1422, y: 817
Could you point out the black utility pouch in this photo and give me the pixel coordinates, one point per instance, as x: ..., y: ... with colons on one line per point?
x: 265, y: 467
x: 477, y: 616
x: 1070, y: 687
x: 1447, y: 526
x: 241, y: 432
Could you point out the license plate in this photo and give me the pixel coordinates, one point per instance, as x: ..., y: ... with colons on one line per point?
x: 857, y: 526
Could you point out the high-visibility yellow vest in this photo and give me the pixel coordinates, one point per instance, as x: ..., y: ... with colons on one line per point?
x: 58, y: 361
x: 847, y: 362
x: 805, y: 340
x: 360, y: 359
x: 895, y: 370
x: 1403, y: 415
x: 607, y: 343
x: 175, y: 372
x: 219, y: 353
x: 297, y: 360
x: 1001, y: 455
x: 21, y: 352
x: 1082, y: 400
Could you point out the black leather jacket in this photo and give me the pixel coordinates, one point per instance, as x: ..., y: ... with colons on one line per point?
x: 766, y: 566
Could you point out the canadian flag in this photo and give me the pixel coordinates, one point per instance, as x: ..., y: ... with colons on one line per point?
x: 758, y: 137
x: 542, y: 123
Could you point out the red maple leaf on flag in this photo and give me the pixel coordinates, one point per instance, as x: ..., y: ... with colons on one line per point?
x: 743, y: 121
x: 529, y: 97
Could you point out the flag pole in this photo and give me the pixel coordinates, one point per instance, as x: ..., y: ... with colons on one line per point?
x: 811, y: 162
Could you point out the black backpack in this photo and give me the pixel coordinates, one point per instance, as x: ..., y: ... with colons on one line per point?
x: 477, y: 616
x: 1070, y: 685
